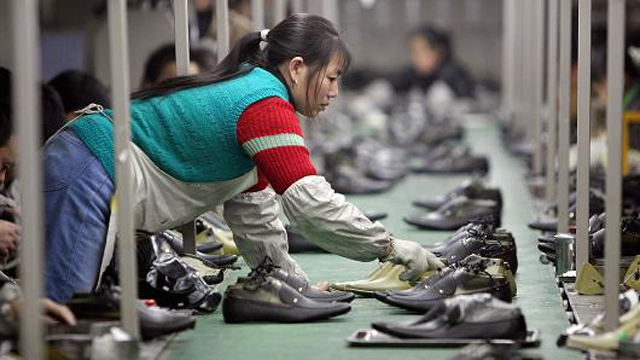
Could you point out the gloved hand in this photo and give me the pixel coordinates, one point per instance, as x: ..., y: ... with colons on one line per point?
x: 414, y: 257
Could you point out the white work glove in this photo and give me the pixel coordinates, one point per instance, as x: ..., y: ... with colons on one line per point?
x: 414, y: 257
x: 328, y: 220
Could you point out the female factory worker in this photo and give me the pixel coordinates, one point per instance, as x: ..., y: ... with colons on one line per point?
x: 217, y: 137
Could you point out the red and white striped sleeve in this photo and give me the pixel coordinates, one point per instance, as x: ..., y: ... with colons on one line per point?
x: 270, y: 133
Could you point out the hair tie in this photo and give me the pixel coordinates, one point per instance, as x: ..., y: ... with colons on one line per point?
x: 263, y: 34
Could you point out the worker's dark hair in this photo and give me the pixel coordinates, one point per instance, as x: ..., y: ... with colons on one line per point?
x: 437, y: 40
x: 78, y: 89
x: 311, y: 37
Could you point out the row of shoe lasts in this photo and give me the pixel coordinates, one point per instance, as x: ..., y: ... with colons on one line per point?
x: 474, y: 238
x: 271, y: 294
x: 548, y: 221
x: 630, y: 237
x: 471, y: 200
x: 449, y: 158
x: 593, y: 336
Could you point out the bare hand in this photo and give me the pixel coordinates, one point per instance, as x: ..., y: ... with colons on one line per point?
x: 322, y: 285
x: 53, y: 312
x: 9, y: 237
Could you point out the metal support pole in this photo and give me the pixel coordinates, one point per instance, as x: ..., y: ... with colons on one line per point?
x: 538, y: 70
x: 508, y: 57
x: 181, y: 21
x: 257, y: 14
x: 298, y: 6
x: 564, y: 116
x: 279, y: 11
x: 330, y: 11
x: 181, y: 27
x: 222, y: 23
x: 119, y: 58
x: 518, y: 68
x: 615, y: 87
x: 527, y: 65
x: 26, y: 115
x: 552, y: 98
x: 584, y: 120
x: 188, y: 231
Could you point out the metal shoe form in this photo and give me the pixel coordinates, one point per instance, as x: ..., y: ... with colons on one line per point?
x: 386, y: 277
x: 263, y: 298
x: 478, y: 316
x: 480, y: 276
x: 589, y: 281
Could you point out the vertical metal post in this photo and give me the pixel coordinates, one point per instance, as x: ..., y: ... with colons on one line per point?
x: 26, y: 117
x: 584, y: 120
x: 508, y: 56
x: 181, y: 27
x: 222, y: 23
x: 615, y: 86
x: 518, y: 69
x: 119, y: 58
x: 181, y: 21
x: 297, y: 6
x: 257, y: 14
x: 552, y: 98
x: 538, y: 69
x: 279, y: 11
x: 330, y: 11
x: 564, y: 116
x: 527, y: 64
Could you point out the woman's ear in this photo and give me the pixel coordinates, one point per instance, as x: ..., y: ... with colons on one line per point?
x: 296, y: 69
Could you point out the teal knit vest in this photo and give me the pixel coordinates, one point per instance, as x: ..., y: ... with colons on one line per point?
x: 189, y: 134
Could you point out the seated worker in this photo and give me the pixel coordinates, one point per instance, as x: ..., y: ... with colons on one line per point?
x: 432, y: 60
x: 161, y: 64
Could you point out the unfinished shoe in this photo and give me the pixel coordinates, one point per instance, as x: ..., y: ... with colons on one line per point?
x: 456, y: 213
x: 386, y: 277
x: 478, y: 316
x: 268, y: 268
x: 263, y: 298
x: 472, y: 188
x: 478, y: 276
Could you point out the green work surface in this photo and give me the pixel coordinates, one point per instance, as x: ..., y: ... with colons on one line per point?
x: 538, y: 295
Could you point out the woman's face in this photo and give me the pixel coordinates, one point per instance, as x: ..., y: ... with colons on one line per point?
x: 425, y: 59
x: 312, y: 96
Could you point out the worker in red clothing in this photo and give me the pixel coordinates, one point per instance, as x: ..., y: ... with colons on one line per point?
x: 218, y: 137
